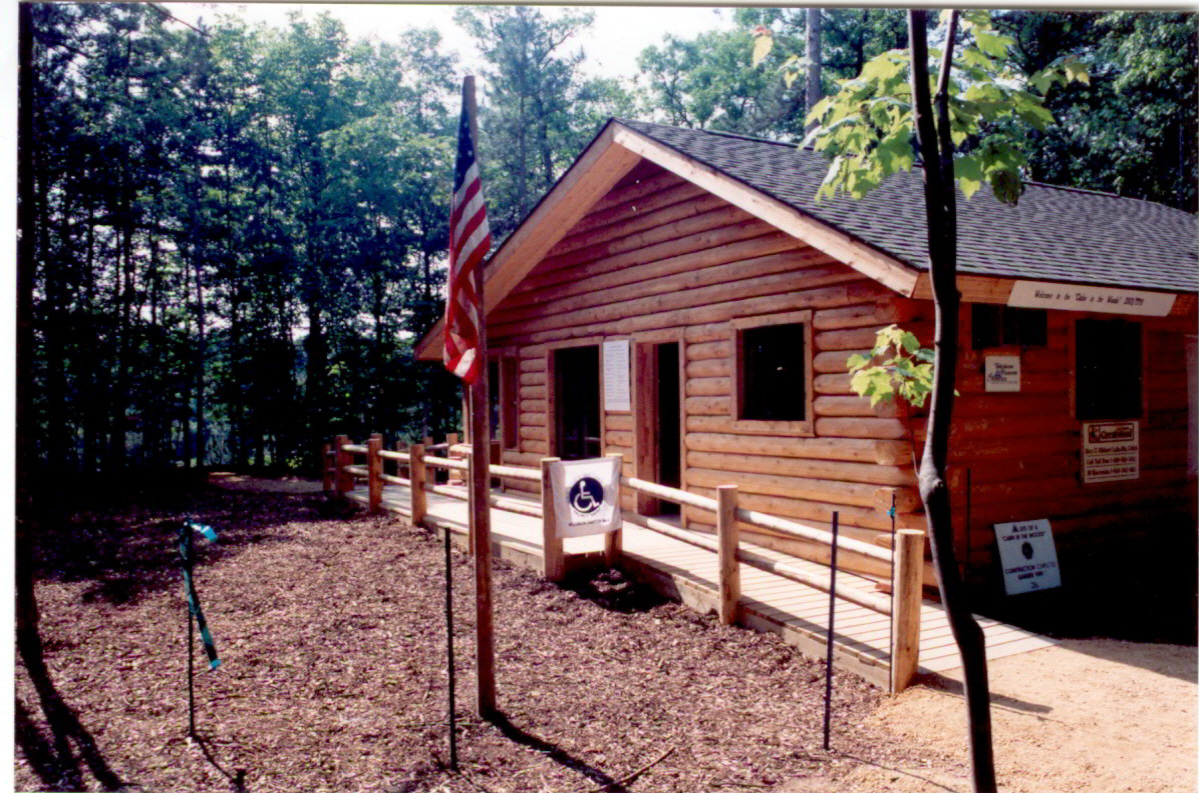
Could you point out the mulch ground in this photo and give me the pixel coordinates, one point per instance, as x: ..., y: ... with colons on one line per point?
x: 330, y: 628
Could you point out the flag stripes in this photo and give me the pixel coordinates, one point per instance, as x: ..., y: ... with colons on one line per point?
x: 470, y: 242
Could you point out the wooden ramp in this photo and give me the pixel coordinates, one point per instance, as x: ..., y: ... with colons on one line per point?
x: 796, y: 612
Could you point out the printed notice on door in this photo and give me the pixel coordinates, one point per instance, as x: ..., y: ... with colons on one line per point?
x: 1110, y: 451
x: 616, y: 369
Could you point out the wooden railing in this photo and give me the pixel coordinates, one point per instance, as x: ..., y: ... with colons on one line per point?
x: 903, y: 606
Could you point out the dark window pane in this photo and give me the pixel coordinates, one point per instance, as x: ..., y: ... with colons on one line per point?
x: 998, y: 325
x: 987, y: 326
x: 774, y: 373
x: 1109, y: 373
x: 578, y: 403
x: 494, y: 400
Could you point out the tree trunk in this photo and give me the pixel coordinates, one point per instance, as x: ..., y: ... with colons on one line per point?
x: 814, y: 55
x: 940, y: 200
x: 26, y: 601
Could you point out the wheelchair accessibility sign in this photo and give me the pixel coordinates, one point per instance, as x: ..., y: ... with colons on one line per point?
x: 586, y: 496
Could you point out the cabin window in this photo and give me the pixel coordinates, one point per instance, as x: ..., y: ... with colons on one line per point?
x: 772, y: 374
x: 1003, y: 325
x: 503, y: 402
x: 1109, y: 376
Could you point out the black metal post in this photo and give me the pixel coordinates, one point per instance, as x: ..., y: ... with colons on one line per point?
x: 188, y: 632
x: 968, y: 519
x: 835, y: 534
x: 450, y: 655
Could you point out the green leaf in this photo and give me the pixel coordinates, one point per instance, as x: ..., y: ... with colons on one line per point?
x: 991, y: 43
x: 968, y: 171
x: 1007, y: 185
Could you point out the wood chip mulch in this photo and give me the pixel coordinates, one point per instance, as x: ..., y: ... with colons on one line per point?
x: 330, y: 628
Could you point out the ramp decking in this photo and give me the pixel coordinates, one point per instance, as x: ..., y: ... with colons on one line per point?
x: 769, y: 602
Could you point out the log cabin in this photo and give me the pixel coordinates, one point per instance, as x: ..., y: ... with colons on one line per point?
x: 682, y: 298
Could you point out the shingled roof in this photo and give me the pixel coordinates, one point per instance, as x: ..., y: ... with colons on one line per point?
x: 1054, y: 234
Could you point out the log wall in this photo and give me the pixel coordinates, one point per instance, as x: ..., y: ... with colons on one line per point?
x: 658, y: 259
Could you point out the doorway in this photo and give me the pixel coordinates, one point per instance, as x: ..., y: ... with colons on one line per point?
x: 658, y: 406
x: 577, y: 403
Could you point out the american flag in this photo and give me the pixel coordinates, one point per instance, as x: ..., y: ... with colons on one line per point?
x: 470, y: 242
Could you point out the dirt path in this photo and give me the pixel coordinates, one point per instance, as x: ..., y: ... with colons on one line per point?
x: 1091, y: 715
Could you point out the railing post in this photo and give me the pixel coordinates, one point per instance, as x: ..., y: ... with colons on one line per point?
x: 375, y: 469
x: 614, y: 537
x: 417, y: 484
x: 553, y: 545
x: 495, y: 459
x: 453, y: 475
x: 907, y: 607
x: 431, y: 478
x: 327, y: 464
x: 344, y: 481
x: 728, y: 554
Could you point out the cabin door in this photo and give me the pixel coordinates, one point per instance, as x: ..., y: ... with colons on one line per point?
x: 658, y: 408
x: 577, y: 403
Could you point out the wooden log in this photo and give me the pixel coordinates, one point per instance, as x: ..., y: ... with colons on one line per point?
x: 865, y: 338
x: 882, y: 452
x: 553, y: 545
x: 890, y: 310
x: 619, y: 421
x: 708, y: 387
x: 627, y: 193
x: 603, y: 218
x: 728, y: 554
x: 651, y: 218
x: 708, y: 406
x: 833, y: 384
x: 532, y: 379
x: 813, y: 510
x: 755, y: 277
x: 620, y: 438
x: 545, y: 276
x: 417, y: 485
x: 864, y: 427
x: 857, y: 406
x: 613, y: 545
x: 375, y: 470
x: 538, y: 392
x: 710, y: 367
x: 845, y: 493
x: 871, y: 474
x: 906, y: 608
x: 708, y: 349
x: 828, y: 296
x: 344, y: 480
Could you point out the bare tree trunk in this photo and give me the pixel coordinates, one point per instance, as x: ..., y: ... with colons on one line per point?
x: 935, y: 144
x: 814, y: 55
x: 26, y: 601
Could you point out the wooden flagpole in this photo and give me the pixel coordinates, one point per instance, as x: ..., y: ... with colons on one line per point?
x: 478, y: 497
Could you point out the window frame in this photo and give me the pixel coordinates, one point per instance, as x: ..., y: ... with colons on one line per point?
x: 804, y: 427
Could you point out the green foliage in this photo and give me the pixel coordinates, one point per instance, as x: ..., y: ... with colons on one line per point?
x: 866, y: 127
x: 896, y: 364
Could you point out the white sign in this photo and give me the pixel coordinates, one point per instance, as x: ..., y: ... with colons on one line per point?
x: 1110, y: 451
x: 1002, y: 373
x: 1067, y: 297
x: 616, y: 370
x: 1029, y: 559
x: 585, y: 494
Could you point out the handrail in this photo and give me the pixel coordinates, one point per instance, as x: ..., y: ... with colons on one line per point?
x: 359, y: 449
x: 671, y: 494
x: 393, y: 455
x: 359, y: 471
x: 794, y: 529
x: 519, y: 472
x: 755, y: 560
x: 400, y: 481
x: 445, y: 463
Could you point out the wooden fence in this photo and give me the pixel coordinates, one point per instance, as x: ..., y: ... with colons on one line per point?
x: 903, y: 605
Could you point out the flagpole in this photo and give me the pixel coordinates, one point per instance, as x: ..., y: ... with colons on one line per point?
x: 478, y: 510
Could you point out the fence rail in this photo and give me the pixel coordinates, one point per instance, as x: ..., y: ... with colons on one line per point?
x: 902, y: 606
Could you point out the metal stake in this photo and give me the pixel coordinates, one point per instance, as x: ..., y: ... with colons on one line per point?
x: 835, y: 534
x: 450, y: 654
x: 191, y: 644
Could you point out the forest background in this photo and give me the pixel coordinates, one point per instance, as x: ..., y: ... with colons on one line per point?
x: 236, y: 233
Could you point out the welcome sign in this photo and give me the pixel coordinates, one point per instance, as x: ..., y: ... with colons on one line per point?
x: 586, y: 496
